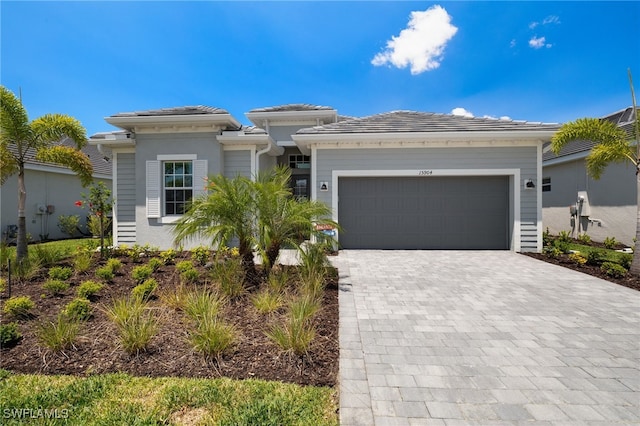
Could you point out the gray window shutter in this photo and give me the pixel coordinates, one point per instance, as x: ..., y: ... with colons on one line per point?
x: 154, y: 188
x: 199, y: 176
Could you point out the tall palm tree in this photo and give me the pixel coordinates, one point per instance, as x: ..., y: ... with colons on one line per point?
x: 613, y: 145
x: 20, y: 139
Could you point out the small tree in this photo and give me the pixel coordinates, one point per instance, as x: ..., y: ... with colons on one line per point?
x: 100, y: 205
x: 612, y: 145
x: 20, y: 139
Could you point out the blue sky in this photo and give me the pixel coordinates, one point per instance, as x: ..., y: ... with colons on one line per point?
x: 536, y: 61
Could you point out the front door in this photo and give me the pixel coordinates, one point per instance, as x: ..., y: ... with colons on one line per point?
x: 300, y: 186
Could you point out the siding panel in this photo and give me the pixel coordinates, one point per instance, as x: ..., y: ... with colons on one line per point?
x: 125, y: 196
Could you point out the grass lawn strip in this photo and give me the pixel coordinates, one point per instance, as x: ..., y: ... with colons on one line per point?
x: 123, y: 399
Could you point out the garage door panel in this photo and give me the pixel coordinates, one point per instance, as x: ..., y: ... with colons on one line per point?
x: 424, y: 213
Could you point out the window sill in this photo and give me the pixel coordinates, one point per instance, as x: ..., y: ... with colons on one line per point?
x: 168, y: 219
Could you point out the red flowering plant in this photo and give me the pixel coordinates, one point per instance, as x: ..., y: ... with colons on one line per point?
x: 100, y: 204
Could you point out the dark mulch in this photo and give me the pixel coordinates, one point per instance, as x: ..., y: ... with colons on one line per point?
x: 170, y: 354
x: 629, y: 280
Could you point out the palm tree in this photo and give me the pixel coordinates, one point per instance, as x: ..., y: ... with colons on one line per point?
x: 223, y: 214
x: 612, y: 145
x: 41, y: 137
x: 283, y: 219
x: 261, y: 216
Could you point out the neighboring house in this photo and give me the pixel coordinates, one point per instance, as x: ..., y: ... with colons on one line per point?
x: 51, y: 192
x: 399, y: 180
x: 574, y: 202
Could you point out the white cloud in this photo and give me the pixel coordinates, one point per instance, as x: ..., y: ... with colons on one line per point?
x: 421, y: 44
x: 539, y: 42
x: 533, y: 25
x: 512, y: 43
x: 461, y: 112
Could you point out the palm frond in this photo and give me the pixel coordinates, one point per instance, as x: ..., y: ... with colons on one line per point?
x: 53, y: 127
x: 74, y: 159
x: 14, y: 121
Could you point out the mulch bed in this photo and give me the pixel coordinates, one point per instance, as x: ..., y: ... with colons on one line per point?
x: 170, y: 354
x: 594, y: 270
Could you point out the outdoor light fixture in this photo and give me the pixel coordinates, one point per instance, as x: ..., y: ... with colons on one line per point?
x: 528, y: 184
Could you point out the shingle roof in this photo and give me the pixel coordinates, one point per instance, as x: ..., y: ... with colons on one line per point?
x: 292, y: 107
x: 100, y: 165
x: 185, y: 110
x: 623, y: 118
x: 412, y: 121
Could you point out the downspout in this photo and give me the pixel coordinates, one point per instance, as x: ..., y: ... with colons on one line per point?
x: 263, y: 151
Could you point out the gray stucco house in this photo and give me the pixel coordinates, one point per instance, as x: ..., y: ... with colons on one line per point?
x: 52, y: 190
x: 397, y: 180
x: 575, y: 202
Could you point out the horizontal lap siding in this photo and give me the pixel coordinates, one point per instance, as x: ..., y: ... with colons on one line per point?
x: 126, y: 199
x: 237, y: 163
x: 523, y: 158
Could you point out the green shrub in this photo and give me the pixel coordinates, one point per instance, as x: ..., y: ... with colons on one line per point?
x: 105, y: 273
x: 69, y: 224
x: 168, y: 256
x: 9, y: 334
x: 135, y: 323
x: 55, y: 287
x: 293, y: 335
x: 141, y: 273
x: 625, y: 259
x: 60, y: 273
x: 201, y: 254
x: 154, y: 263
x: 88, y: 289
x: 189, y: 276
x: 610, y: 243
x: 613, y: 269
x: 18, y: 306
x: 595, y: 257
x: 82, y: 261
x: 212, y: 337
x: 144, y: 290
x: 578, y: 259
x: 174, y: 297
x: 561, y: 245
x: 3, y: 284
x: 584, y: 239
x: 184, y: 265
x: 564, y: 237
x: 27, y: 268
x: 58, y: 335
x: 78, y: 308
x: 114, y: 265
x: 552, y: 251
x: 547, y: 239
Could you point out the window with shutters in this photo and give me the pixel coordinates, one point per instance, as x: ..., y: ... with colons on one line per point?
x: 172, y: 182
x: 178, y: 186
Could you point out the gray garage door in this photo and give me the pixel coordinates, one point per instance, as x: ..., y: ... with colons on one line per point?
x: 470, y: 212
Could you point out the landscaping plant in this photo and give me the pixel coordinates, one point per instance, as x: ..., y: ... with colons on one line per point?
x: 134, y: 321
x: 78, y: 309
x: 60, y: 334
x: 19, y: 307
x: 9, y: 334
x: 55, y: 287
x: 88, y: 289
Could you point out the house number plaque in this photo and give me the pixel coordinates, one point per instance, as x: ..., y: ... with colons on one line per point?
x: 425, y: 172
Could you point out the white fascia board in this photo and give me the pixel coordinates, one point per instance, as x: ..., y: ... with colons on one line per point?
x: 566, y: 158
x: 60, y: 170
x: 282, y: 117
x: 214, y: 121
x: 421, y: 139
x: 243, y: 142
x: 113, y: 143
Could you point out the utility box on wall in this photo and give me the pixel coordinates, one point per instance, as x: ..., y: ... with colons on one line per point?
x: 584, y: 209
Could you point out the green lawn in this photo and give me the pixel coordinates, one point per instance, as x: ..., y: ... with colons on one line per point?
x: 120, y: 399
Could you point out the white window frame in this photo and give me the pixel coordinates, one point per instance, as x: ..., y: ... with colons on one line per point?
x: 546, y: 184
x: 155, y: 184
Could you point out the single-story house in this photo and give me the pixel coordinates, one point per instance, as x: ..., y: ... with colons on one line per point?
x: 52, y: 190
x: 397, y: 180
x: 573, y: 201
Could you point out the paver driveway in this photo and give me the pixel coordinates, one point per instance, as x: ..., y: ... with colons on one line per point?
x: 479, y: 337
